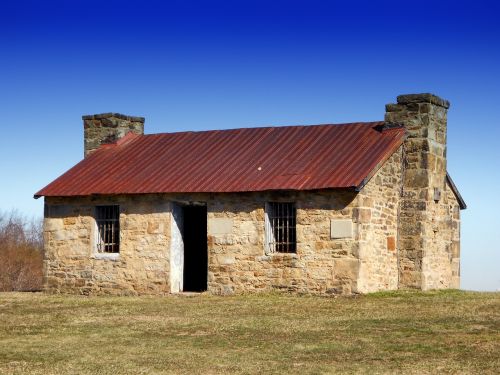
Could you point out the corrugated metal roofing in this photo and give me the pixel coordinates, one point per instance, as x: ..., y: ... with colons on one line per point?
x: 236, y: 160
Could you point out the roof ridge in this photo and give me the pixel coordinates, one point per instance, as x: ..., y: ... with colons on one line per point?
x: 374, y: 123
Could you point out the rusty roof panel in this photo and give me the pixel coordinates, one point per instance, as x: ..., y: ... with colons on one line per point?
x: 235, y: 160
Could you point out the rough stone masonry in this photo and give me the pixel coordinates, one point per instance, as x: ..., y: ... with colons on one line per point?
x: 401, y: 230
x: 429, y: 237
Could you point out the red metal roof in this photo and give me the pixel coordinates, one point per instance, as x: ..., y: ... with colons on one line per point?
x: 236, y: 160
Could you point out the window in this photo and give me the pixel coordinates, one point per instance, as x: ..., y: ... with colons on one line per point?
x: 108, y: 229
x: 280, y: 227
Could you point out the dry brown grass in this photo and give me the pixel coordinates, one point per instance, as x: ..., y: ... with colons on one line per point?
x: 400, y: 332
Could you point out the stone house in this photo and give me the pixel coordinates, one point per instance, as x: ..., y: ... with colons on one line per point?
x: 327, y: 209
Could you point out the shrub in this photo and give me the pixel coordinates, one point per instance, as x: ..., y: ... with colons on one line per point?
x: 21, y: 247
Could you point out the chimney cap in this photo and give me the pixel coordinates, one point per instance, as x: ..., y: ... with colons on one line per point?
x: 423, y: 98
x: 113, y: 114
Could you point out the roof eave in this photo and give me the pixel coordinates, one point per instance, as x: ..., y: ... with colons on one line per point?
x: 455, y: 191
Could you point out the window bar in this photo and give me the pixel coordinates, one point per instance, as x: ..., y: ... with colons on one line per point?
x: 115, y: 234
x: 269, y: 233
x: 117, y: 225
x: 106, y: 236
x: 266, y: 223
x: 276, y: 229
x: 114, y: 226
x: 292, y: 229
x: 106, y: 226
x: 287, y: 226
x: 277, y: 236
x: 272, y: 233
x: 99, y: 239
x: 270, y: 224
x: 292, y: 221
x: 105, y: 231
x: 273, y: 213
x: 280, y: 224
x: 289, y: 209
x: 112, y: 234
x: 283, y: 236
x: 110, y: 229
x: 275, y: 224
x: 110, y: 244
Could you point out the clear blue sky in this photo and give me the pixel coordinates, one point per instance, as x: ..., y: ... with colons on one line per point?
x: 190, y: 65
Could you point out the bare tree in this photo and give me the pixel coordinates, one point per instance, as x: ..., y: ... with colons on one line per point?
x: 21, y: 247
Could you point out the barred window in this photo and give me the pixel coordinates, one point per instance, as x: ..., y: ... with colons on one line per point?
x: 108, y: 229
x: 280, y: 227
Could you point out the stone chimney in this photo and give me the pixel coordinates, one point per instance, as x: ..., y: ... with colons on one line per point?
x: 424, y: 178
x: 108, y: 128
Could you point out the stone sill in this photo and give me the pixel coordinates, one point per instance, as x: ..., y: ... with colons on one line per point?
x: 110, y: 256
x: 283, y: 256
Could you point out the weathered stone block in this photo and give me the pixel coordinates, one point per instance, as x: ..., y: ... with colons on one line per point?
x: 219, y: 225
x: 155, y: 227
x: 417, y: 178
x: 363, y: 215
x: 391, y: 243
x: 455, y: 249
x: 53, y: 224
x: 346, y: 268
x: 69, y: 220
x: 341, y: 229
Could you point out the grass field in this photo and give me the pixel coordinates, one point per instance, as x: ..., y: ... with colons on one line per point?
x: 397, y: 332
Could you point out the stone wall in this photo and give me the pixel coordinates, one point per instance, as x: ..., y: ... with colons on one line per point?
x: 72, y: 265
x: 108, y: 128
x: 237, y: 260
x: 363, y: 261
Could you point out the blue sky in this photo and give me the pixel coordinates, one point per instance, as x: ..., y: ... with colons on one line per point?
x: 191, y: 65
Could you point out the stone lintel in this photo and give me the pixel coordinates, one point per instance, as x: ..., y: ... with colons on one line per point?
x: 101, y: 116
x: 423, y: 98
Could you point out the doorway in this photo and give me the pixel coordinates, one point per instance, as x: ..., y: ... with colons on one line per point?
x: 189, y: 252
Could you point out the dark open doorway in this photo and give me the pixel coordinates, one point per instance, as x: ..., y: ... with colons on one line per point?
x: 195, y: 248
